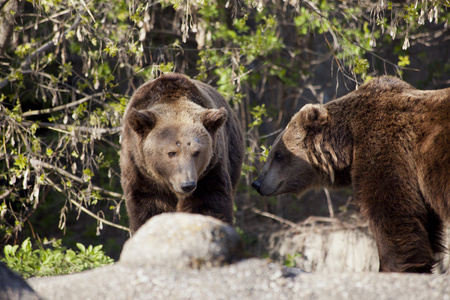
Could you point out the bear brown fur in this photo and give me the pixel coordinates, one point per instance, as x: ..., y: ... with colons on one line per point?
x: 182, y: 150
x: 392, y: 143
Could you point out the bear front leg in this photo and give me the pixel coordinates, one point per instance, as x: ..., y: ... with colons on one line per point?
x: 215, y: 204
x: 142, y: 206
x: 407, y: 232
x: 403, y: 246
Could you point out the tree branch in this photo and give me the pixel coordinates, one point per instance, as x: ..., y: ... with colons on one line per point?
x: 67, y: 128
x: 58, y: 108
x: 87, y: 211
x: 43, y: 49
x: 5, y: 194
x: 274, y: 217
x: 36, y: 162
x: 330, y: 204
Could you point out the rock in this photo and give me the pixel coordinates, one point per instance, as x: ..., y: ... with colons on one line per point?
x: 337, y: 250
x: 183, y: 256
x: 13, y: 287
x: 181, y: 240
x: 324, y: 249
x: 248, y: 279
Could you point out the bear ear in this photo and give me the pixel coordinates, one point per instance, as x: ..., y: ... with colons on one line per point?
x: 213, y: 119
x: 141, y: 121
x: 313, y: 116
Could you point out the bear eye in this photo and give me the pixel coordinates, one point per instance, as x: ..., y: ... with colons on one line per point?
x: 172, y: 154
x: 278, y: 156
x: 196, y: 153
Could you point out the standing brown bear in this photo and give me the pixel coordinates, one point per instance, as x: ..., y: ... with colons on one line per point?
x: 392, y: 143
x: 182, y: 150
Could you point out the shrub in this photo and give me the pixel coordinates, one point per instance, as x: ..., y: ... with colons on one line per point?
x: 56, y: 260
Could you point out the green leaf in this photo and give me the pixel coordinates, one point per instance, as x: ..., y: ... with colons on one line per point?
x: 49, y: 152
x: 87, y: 175
x: 10, y: 251
x: 403, y: 61
x: 111, y: 49
x: 81, y: 247
x: 361, y: 65
x: 21, y: 161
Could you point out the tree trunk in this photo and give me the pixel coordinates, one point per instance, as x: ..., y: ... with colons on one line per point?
x: 9, y: 9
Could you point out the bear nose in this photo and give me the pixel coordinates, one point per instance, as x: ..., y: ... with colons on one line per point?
x: 188, y: 186
x: 256, y: 185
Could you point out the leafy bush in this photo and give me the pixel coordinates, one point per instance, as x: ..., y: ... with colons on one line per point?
x: 53, y: 261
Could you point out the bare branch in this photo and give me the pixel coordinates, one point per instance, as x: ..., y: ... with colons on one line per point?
x: 87, y: 211
x: 36, y: 162
x: 5, y: 194
x: 68, y: 128
x: 58, y: 108
x: 84, y: 209
x: 272, y: 133
x: 274, y: 217
x: 330, y: 204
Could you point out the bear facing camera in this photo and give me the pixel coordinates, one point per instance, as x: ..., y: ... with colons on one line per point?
x: 391, y: 142
x: 182, y: 151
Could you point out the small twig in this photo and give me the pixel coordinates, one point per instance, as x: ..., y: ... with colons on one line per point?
x: 67, y: 128
x: 58, y: 108
x: 34, y: 161
x: 314, y: 219
x: 332, y: 52
x: 88, y: 10
x: 330, y: 205
x: 87, y: 211
x: 5, y: 194
x: 272, y: 133
x: 274, y: 217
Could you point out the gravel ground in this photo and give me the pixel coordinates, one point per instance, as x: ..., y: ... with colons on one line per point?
x: 248, y: 279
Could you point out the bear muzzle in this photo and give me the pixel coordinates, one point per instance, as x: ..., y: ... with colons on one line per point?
x: 188, y: 186
x: 257, y: 185
x: 265, y: 188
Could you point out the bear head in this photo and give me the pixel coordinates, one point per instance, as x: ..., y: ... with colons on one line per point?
x: 304, y: 156
x: 176, y: 142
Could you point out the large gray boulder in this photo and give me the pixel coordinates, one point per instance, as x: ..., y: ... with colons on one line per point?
x: 181, y: 240
x: 13, y: 287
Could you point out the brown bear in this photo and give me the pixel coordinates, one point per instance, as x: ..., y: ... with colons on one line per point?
x: 391, y: 142
x: 182, y: 150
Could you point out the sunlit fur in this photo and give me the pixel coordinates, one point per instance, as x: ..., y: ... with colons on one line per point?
x: 391, y: 142
x: 182, y: 150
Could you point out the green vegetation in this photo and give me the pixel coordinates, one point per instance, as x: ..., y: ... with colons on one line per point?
x: 56, y: 260
x: 290, y: 260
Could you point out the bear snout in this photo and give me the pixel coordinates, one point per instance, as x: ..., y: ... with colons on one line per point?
x: 188, y: 186
x: 257, y: 185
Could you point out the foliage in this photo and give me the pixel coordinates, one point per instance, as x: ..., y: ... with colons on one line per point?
x: 52, y: 261
x: 290, y: 260
x: 68, y: 71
